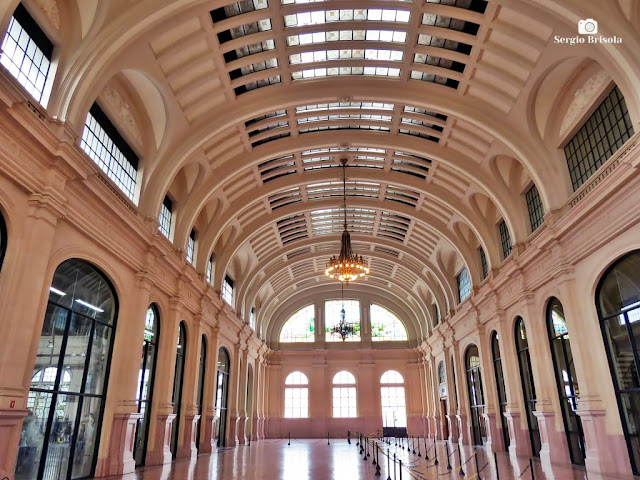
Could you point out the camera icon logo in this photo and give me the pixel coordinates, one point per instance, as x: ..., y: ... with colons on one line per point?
x: 588, y: 26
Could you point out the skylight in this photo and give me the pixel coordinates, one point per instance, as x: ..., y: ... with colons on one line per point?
x: 344, y: 105
x: 347, y: 35
x: 302, y: 19
x: 324, y: 72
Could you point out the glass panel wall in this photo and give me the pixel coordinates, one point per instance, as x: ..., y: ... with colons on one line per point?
x: 146, y: 375
x: 618, y: 304
x: 178, y: 377
x: 222, y: 392
x: 502, y: 391
x: 394, y: 409
x: 476, y: 395
x: 60, y: 433
x: 528, y: 387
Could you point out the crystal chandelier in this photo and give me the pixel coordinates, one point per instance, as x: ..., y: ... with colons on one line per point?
x: 346, y: 267
x: 343, y: 329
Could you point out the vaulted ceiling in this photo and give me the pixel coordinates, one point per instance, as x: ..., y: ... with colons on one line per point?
x: 448, y: 111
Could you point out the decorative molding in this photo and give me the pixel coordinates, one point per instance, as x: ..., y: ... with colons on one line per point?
x: 120, y: 107
x: 582, y: 99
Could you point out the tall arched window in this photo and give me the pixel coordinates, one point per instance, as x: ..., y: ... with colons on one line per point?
x: 385, y: 325
x: 146, y: 375
x: 476, y: 395
x: 344, y: 395
x: 333, y: 313
x: 222, y: 394
x: 618, y: 304
x: 60, y: 434
x: 566, y: 379
x: 201, y: 373
x: 300, y: 327
x: 178, y: 377
x: 394, y: 407
x: 528, y: 387
x: 502, y: 391
x: 453, y: 379
x: 3, y: 239
x: 442, y: 394
x: 296, y: 396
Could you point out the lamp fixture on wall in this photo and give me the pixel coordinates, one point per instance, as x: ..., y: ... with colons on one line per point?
x: 348, y: 266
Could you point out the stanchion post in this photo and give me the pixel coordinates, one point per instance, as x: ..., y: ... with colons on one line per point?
x: 495, y: 459
x: 475, y: 453
x: 395, y: 475
x: 389, y: 465
x: 349, y: 437
x: 414, y: 445
x: 446, y: 449
x: 419, y: 454
x: 328, y: 443
x: 426, y: 449
x: 400, y: 468
x: 533, y: 477
x: 289, y: 439
x: 373, y: 447
x: 461, y: 472
x: 435, y: 450
x: 378, y: 464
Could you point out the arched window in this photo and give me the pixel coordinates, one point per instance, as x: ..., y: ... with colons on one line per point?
x: 296, y: 396
x: 178, y: 377
x: 201, y: 373
x: 300, y: 326
x: 332, y: 315
x: 453, y: 380
x: 566, y: 379
x: 146, y: 375
x: 385, y: 325
x: 502, y: 392
x: 394, y: 407
x: 528, y: 387
x: 344, y: 395
x: 222, y: 393
x: 67, y: 393
x: 3, y: 239
x: 442, y: 395
x: 618, y: 304
x: 476, y: 395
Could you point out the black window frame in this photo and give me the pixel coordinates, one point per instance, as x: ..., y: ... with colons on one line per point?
x: 477, y: 400
x: 501, y: 389
x: 505, y: 239
x: 534, y: 207
x: 463, y: 281
x: 176, y: 397
x: 483, y: 262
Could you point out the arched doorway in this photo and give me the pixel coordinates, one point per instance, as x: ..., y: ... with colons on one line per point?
x: 566, y: 379
x: 249, y: 403
x: 146, y: 376
x: 618, y: 305
x: 394, y: 407
x: 222, y: 392
x: 201, y: 375
x: 178, y: 378
x: 66, y: 399
x: 476, y: 396
x: 502, y: 391
x: 528, y: 387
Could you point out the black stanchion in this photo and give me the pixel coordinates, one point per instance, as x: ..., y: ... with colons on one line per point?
x: 475, y: 453
x: 289, y: 439
x: 419, y: 454
x: 389, y: 465
x: 435, y: 450
x: 373, y: 447
x: 400, y: 468
x: 461, y: 472
x: 328, y: 443
x: 349, y: 437
x: 495, y: 459
x: 414, y: 445
x: 378, y: 464
x: 533, y: 477
x: 446, y: 449
x: 426, y: 449
x: 361, y: 445
x: 366, y: 448
x: 395, y: 475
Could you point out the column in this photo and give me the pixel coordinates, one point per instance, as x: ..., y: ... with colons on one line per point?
x: 159, y: 446
x: 554, y: 448
x: 24, y: 295
x: 453, y: 394
x: 242, y: 398
x: 123, y: 380
x: 232, y: 409
x: 493, y: 423
x: 207, y: 422
x: 462, y: 415
x: 187, y: 435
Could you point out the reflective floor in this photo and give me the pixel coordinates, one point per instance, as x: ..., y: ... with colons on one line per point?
x: 314, y: 459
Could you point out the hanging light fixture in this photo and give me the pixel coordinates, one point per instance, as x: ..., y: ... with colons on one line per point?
x: 343, y: 329
x: 346, y: 267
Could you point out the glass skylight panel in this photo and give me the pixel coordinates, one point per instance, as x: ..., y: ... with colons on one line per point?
x: 347, y: 35
x: 263, y: 82
x: 345, y: 105
x: 381, y: 118
x: 333, y: 71
x: 438, y: 42
x: 268, y: 127
x: 345, y: 127
x: 430, y: 77
x: 321, y: 17
x: 244, y: 6
x: 345, y: 54
x: 277, y: 113
x: 443, y: 22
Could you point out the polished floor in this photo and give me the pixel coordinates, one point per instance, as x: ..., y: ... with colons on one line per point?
x: 315, y: 460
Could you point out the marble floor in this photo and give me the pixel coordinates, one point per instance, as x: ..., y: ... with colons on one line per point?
x: 315, y: 460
